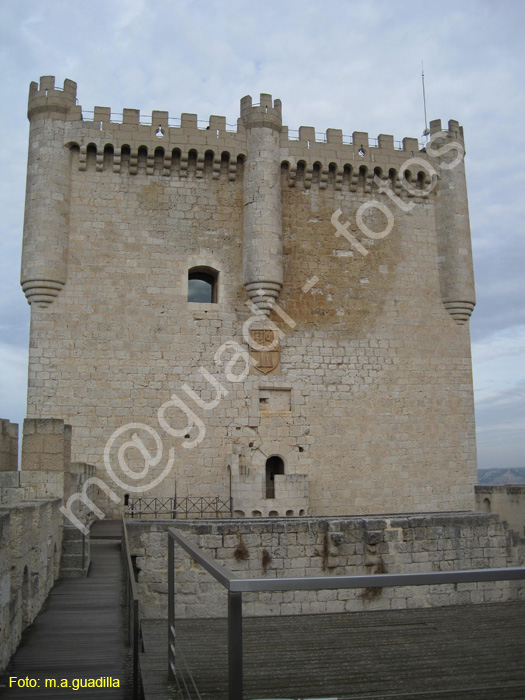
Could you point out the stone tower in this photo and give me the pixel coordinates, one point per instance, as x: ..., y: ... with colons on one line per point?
x: 46, y: 224
x: 247, y: 312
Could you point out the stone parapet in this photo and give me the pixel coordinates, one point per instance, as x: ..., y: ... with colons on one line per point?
x: 506, y: 501
x: 297, y: 547
x: 30, y: 546
x: 46, y: 457
x: 10, y: 488
x: 8, y: 446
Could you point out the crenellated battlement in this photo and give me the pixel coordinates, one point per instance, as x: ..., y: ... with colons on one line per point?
x: 454, y: 129
x: 160, y: 144
x: 305, y: 137
x: 133, y: 130
x: 267, y: 113
x: 265, y: 106
x: 46, y: 98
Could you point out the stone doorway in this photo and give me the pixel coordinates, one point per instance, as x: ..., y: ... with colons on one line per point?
x: 274, y: 465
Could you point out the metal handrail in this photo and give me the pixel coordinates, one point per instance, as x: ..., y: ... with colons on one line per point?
x: 198, y: 506
x: 133, y: 616
x: 293, y: 134
x: 237, y: 586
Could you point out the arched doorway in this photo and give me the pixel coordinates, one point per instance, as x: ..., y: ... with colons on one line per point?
x: 274, y: 465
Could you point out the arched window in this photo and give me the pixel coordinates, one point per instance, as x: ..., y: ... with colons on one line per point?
x: 274, y: 465
x: 202, y: 285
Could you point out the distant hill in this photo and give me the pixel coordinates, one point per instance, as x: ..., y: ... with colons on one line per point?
x: 501, y: 476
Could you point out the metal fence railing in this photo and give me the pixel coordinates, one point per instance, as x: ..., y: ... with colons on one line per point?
x: 132, y: 611
x: 237, y: 586
x: 187, y: 507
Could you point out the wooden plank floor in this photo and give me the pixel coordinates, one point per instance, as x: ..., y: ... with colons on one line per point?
x: 78, y: 634
x: 474, y: 652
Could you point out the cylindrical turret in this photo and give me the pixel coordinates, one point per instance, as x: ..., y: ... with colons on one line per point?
x: 46, y: 221
x: 262, y: 242
x: 452, y: 222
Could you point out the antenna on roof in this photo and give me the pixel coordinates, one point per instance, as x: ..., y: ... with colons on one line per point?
x: 426, y: 132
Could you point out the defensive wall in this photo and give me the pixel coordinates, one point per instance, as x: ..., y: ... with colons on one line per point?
x: 297, y: 547
x: 507, y: 501
x: 365, y: 397
x: 37, y: 543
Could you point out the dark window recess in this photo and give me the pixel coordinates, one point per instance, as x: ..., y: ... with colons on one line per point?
x: 202, y: 286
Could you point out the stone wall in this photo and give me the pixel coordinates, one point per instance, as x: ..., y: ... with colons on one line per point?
x: 37, y: 543
x: 8, y: 445
x: 76, y: 552
x: 30, y: 546
x: 507, y: 501
x: 325, y: 546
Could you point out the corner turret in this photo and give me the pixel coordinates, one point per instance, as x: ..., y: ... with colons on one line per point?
x: 46, y: 99
x: 265, y: 114
x: 46, y: 220
x: 446, y: 149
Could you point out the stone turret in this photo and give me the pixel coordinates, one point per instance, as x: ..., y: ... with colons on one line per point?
x: 452, y: 223
x: 262, y: 240
x: 46, y: 223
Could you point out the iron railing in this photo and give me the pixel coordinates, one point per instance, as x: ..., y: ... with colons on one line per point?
x: 132, y: 611
x: 185, y: 508
x: 237, y: 586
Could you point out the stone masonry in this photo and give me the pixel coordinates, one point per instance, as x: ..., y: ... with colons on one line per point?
x: 365, y: 395
x: 37, y: 543
x: 507, y: 501
x: 298, y: 547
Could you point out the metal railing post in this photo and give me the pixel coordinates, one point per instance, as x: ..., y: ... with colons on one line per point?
x: 132, y: 610
x: 235, y: 646
x: 135, y: 649
x: 171, y: 609
x: 129, y: 602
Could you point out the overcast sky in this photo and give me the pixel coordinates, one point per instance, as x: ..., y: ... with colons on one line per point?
x: 347, y: 65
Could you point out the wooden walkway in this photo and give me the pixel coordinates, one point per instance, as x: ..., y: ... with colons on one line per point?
x: 474, y: 652
x: 79, y: 634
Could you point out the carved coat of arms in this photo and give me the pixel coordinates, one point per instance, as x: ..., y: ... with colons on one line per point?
x: 266, y: 361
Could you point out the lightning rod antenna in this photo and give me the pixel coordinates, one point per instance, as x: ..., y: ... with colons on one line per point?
x: 426, y: 132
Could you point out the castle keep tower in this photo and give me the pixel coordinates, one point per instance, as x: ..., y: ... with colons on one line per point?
x: 247, y: 312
